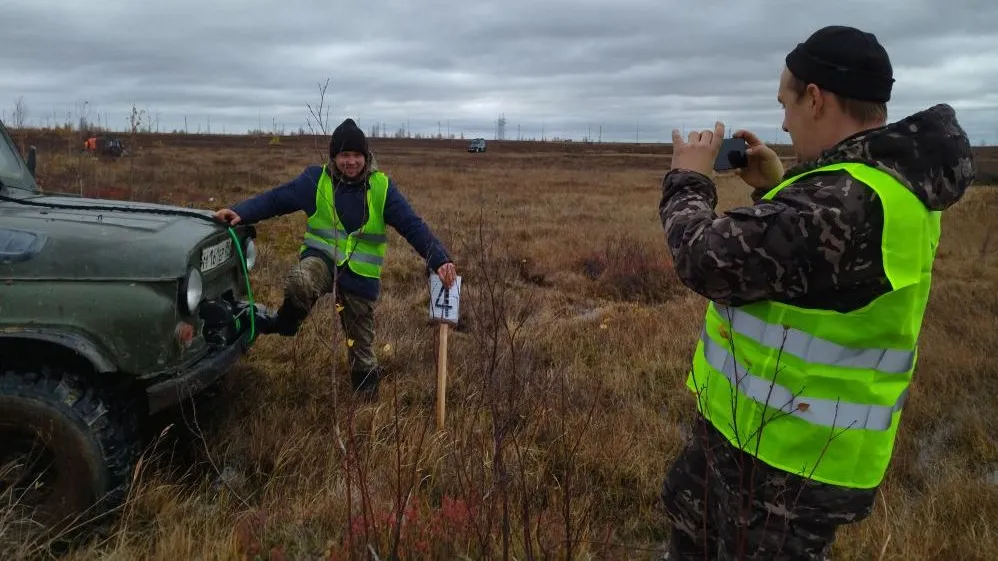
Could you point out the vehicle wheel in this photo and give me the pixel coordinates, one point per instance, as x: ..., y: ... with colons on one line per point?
x: 67, y: 455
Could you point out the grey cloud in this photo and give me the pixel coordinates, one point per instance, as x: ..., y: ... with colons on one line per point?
x: 637, y: 68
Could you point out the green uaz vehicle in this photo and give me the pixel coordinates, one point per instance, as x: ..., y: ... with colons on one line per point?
x: 109, y: 311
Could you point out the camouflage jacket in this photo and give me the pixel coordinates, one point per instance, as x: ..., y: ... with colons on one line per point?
x: 816, y: 244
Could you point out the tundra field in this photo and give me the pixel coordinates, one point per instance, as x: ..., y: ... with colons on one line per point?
x: 565, y: 398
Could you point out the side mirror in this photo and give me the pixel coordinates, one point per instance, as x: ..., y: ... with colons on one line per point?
x: 32, y: 160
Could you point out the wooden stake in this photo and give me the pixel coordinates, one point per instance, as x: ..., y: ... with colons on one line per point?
x: 441, y: 375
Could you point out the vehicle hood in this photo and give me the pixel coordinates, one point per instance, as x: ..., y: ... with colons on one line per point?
x: 41, y: 242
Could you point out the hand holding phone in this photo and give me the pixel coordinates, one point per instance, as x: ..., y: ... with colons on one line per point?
x: 764, y: 169
x: 732, y: 155
x: 697, y: 153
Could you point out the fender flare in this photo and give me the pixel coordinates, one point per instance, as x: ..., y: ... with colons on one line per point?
x: 75, y: 342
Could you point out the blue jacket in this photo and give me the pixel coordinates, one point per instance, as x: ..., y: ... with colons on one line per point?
x: 350, y: 199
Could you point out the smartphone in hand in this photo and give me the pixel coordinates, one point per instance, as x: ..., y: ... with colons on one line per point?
x: 731, y: 155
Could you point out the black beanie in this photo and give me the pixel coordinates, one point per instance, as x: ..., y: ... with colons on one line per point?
x: 845, y: 61
x: 347, y: 138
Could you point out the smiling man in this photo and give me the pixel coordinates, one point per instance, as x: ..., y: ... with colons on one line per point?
x: 348, y: 207
x: 817, y: 293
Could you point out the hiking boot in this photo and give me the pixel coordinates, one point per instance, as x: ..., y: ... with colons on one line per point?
x: 365, y: 383
x: 285, y: 322
x: 263, y: 319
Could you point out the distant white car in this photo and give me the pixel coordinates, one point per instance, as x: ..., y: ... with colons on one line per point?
x: 477, y: 145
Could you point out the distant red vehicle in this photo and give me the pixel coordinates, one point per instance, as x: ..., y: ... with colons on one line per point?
x: 104, y: 145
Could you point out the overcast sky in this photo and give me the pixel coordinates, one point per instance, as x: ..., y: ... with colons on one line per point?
x: 636, y: 68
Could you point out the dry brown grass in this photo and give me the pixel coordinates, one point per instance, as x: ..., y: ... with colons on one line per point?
x: 566, y: 387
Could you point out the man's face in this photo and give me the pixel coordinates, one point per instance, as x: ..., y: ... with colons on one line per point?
x: 350, y: 164
x: 799, y: 119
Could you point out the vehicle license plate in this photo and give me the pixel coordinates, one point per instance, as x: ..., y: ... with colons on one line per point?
x: 215, y: 255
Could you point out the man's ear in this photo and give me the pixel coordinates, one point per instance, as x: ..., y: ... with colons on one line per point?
x: 816, y: 99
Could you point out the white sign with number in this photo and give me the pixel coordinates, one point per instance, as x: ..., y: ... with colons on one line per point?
x: 444, y: 303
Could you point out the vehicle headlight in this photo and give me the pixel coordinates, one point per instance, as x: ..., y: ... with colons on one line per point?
x: 193, y: 290
x: 250, y: 253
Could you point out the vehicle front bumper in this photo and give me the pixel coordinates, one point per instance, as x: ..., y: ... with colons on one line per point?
x: 196, y: 377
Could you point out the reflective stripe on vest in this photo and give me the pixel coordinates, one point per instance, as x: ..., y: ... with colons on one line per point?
x: 816, y: 350
x: 815, y: 392
x: 362, y: 251
x: 338, y: 256
x: 331, y: 233
x: 825, y: 412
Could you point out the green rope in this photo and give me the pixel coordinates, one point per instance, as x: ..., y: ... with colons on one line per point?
x: 249, y: 289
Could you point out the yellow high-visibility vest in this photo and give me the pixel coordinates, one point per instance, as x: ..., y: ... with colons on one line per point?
x: 815, y: 392
x: 363, y: 250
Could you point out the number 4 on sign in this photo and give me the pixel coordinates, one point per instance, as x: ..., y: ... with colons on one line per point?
x: 444, y: 306
x: 444, y: 303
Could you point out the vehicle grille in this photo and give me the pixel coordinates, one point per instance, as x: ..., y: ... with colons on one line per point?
x: 226, y: 276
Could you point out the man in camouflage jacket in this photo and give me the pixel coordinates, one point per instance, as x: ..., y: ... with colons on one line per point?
x: 816, y: 244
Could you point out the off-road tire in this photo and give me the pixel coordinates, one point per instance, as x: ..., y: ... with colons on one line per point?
x: 87, y: 435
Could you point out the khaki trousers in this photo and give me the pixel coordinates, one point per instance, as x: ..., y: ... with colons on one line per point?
x: 310, y: 279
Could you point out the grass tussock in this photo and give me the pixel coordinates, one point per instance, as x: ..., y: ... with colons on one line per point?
x: 629, y: 270
x: 565, y: 398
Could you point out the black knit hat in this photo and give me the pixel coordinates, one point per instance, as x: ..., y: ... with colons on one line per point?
x: 347, y: 138
x: 846, y: 61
